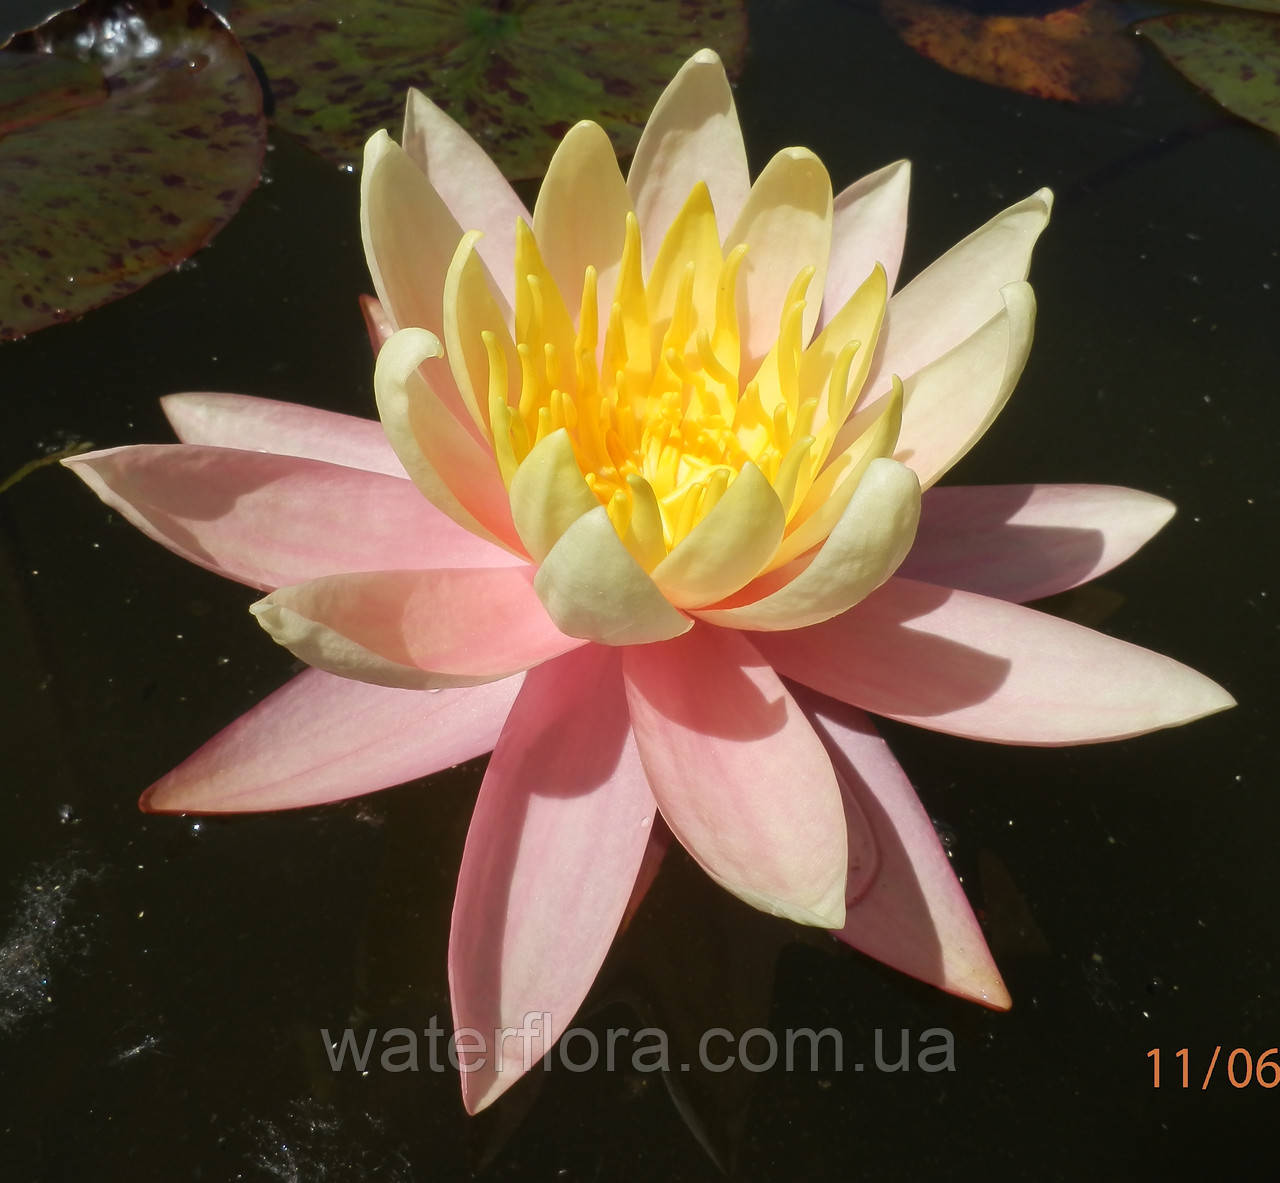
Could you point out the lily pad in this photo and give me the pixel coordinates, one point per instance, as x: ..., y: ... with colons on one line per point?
x: 1235, y: 56
x: 1079, y: 54
x: 516, y: 73
x: 129, y: 133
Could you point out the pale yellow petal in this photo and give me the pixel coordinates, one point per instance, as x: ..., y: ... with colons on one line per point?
x: 581, y: 214
x: 728, y: 548
x: 948, y: 405
x: 454, y: 470
x: 786, y: 224
x: 471, y: 309
x: 875, y: 431
x: 592, y: 588
x: 548, y: 494
x: 865, y: 548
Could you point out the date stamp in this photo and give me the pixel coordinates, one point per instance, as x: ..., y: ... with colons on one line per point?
x: 1238, y: 1065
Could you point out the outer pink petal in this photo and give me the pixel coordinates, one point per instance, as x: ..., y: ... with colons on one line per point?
x: 471, y: 185
x: 868, y: 226
x: 556, y: 841
x: 416, y: 629
x: 914, y: 915
x: 983, y: 668
x: 1021, y: 542
x: 265, y: 425
x: 738, y: 773
x: 269, y: 520
x: 320, y: 738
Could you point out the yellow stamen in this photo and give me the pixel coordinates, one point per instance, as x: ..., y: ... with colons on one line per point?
x: 654, y: 410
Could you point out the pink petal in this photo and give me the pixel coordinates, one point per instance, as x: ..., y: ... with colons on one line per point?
x: 1021, y: 542
x: 738, y: 773
x: 265, y: 425
x: 416, y: 629
x: 913, y: 915
x: 660, y: 839
x: 868, y: 226
x: 556, y: 841
x: 377, y: 323
x: 583, y: 175
x: 269, y: 520
x: 983, y: 668
x: 320, y: 738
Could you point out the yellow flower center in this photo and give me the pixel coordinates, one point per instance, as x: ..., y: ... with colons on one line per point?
x: 659, y: 418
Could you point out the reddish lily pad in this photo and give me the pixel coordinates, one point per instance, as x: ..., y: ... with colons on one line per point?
x: 516, y: 73
x: 1235, y: 56
x: 129, y: 133
x: 1079, y: 54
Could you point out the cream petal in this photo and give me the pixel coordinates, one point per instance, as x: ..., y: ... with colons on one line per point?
x: 471, y: 310
x: 409, y: 241
x: 959, y: 292
x: 868, y: 227
x: 691, y: 136
x: 948, y: 405
x: 592, y: 588
x: 580, y: 217
x: 454, y: 470
x: 469, y: 183
x: 548, y: 494
x: 728, y: 548
x: 864, y: 549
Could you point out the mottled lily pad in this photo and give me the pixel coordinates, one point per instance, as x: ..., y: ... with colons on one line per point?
x: 1235, y: 56
x: 1079, y: 54
x: 129, y: 133
x: 516, y: 73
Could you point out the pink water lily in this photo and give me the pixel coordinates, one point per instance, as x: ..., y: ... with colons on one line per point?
x: 644, y: 518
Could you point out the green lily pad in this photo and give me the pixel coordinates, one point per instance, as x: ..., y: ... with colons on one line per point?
x: 516, y: 73
x: 129, y: 133
x: 1235, y: 56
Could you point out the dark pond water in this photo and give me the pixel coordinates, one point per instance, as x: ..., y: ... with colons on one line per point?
x: 163, y: 981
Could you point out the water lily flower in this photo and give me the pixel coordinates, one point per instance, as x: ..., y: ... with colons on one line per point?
x: 644, y: 517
